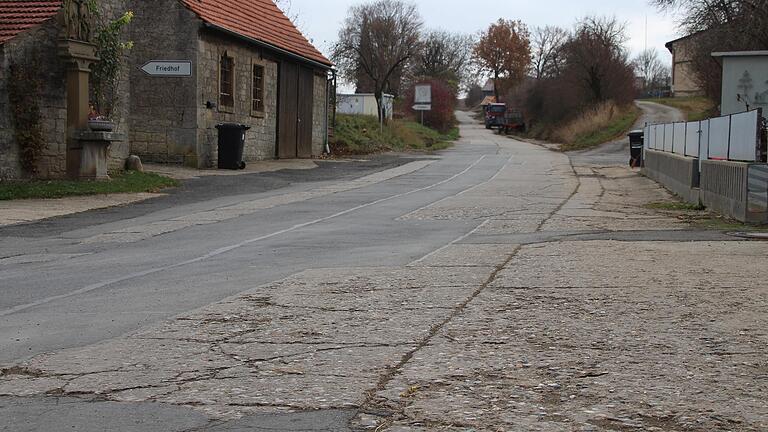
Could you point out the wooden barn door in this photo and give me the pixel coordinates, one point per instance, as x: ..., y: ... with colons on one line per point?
x: 295, y: 111
x: 288, y: 112
x: 306, y: 104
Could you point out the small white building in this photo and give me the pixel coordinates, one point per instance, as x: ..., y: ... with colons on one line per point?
x: 364, y: 104
x: 745, y: 81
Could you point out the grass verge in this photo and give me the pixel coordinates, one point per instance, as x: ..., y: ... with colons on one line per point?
x: 694, y: 108
x: 698, y: 216
x: 598, y: 126
x: 674, y: 206
x: 358, y: 134
x: 127, y: 182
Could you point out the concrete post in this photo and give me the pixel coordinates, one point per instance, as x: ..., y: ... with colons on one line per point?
x: 79, y: 56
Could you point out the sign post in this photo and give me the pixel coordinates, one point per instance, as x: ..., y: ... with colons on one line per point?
x: 168, y: 68
x: 423, y: 99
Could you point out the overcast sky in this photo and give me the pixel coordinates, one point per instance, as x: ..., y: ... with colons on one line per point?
x: 321, y: 19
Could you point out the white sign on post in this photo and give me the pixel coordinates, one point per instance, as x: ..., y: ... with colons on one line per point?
x: 422, y: 107
x: 423, y: 94
x: 168, y: 68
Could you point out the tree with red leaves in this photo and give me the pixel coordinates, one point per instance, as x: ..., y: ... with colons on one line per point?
x: 442, y: 117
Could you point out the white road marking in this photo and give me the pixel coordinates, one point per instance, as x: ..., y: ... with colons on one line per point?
x: 467, y: 235
x: 226, y: 249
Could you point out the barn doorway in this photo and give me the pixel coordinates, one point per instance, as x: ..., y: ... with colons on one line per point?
x: 295, y: 106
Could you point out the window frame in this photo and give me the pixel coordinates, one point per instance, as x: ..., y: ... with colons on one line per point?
x: 262, y: 90
x: 227, y: 104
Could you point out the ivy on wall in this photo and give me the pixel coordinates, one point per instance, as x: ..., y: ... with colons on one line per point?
x: 24, y: 92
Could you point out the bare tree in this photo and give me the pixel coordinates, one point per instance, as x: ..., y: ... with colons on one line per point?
x: 378, y: 39
x: 597, y: 61
x: 445, y: 56
x: 744, y: 20
x: 548, y: 43
x: 504, y: 50
x: 653, y: 71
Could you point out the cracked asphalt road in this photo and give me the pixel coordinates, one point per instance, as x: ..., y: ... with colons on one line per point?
x: 497, y: 287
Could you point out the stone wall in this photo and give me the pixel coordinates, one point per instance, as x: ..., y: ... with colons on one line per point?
x: 119, y: 151
x: 163, y: 111
x: 261, y: 139
x: 39, y: 48
x: 319, y: 115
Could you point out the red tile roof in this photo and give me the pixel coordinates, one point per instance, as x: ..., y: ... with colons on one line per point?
x: 18, y: 16
x: 258, y: 19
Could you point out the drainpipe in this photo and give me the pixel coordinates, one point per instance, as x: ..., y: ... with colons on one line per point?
x: 330, y: 95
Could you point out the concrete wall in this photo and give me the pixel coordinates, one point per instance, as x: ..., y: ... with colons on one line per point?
x: 164, y: 111
x: 261, y: 139
x: 735, y: 189
x: 36, y: 48
x: 679, y: 174
x: 746, y: 76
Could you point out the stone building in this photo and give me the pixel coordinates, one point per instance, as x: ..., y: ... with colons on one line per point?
x: 684, y: 81
x: 247, y: 64
x: 30, y: 33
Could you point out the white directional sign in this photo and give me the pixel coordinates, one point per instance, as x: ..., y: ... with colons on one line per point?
x: 168, y: 68
x: 423, y: 94
x: 422, y: 107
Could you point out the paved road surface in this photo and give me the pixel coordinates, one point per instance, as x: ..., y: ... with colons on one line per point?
x: 495, y: 286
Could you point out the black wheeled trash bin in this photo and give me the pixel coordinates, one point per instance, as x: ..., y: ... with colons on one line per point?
x: 636, y: 148
x: 231, y: 143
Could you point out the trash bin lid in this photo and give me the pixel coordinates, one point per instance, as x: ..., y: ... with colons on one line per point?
x: 232, y: 126
x: 636, y: 133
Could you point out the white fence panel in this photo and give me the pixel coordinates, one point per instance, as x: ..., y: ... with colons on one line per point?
x: 704, y: 143
x: 652, y: 137
x: 669, y: 134
x: 743, y: 137
x: 647, y: 137
x: 678, y: 141
x: 660, y: 137
x: 692, y: 136
x: 719, y: 134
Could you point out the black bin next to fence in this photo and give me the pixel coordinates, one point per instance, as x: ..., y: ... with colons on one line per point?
x: 636, y: 148
x: 231, y: 144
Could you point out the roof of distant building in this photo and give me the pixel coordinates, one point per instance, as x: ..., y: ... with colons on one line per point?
x: 489, y: 86
x: 260, y: 20
x: 19, y: 16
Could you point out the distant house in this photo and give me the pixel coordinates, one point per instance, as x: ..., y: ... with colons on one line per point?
x: 249, y: 64
x: 683, y: 79
x: 364, y: 104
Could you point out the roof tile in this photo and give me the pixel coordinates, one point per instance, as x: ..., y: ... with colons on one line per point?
x: 258, y: 19
x: 18, y: 16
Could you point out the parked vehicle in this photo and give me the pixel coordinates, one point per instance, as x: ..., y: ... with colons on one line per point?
x: 513, y: 121
x: 494, y: 115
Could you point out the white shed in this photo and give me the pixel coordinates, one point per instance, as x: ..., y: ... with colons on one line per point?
x: 363, y: 104
x: 745, y: 81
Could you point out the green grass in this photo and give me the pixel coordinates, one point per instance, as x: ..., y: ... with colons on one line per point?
x: 615, y: 129
x: 694, y: 108
x: 674, y: 206
x: 130, y: 181
x: 357, y: 135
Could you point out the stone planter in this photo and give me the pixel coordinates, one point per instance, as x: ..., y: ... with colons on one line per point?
x: 101, y: 125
